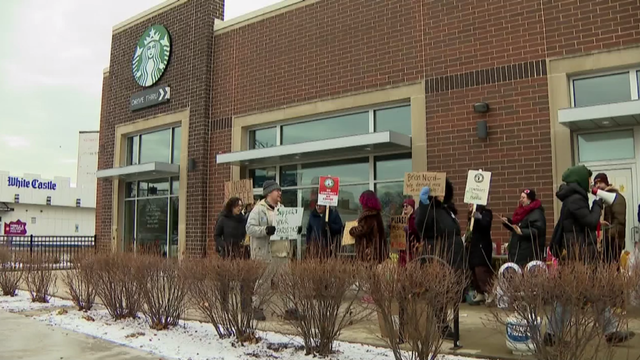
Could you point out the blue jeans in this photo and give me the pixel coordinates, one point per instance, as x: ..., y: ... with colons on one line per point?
x: 559, y: 318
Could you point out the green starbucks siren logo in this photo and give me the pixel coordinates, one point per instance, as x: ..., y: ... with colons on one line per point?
x: 152, y: 55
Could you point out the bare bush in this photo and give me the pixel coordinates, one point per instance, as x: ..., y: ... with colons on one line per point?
x: 40, y: 278
x: 115, y: 286
x: 319, y: 293
x: 80, y: 281
x: 10, y: 273
x: 576, y: 299
x: 226, y: 291
x: 164, y: 288
x: 428, y: 294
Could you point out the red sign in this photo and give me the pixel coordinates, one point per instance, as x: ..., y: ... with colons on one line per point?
x: 328, y: 191
x: 15, y: 228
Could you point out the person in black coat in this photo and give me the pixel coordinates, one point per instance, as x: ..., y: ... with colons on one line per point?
x: 480, y: 252
x: 528, y: 227
x: 439, y: 229
x: 230, y: 230
x: 318, y: 245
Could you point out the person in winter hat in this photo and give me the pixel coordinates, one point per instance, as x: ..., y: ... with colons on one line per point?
x: 528, y: 228
x: 614, y: 220
x: 480, y: 252
x: 371, y: 240
x: 575, y: 232
x: 318, y: 230
x: 411, y: 233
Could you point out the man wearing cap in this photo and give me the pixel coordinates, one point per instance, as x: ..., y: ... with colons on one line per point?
x: 260, y: 222
x: 614, y: 221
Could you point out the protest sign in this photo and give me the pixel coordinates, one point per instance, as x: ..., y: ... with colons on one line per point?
x: 239, y: 188
x: 287, y: 221
x: 415, y: 181
x: 328, y: 191
x: 477, y: 190
x: 398, y: 235
x: 347, y: 239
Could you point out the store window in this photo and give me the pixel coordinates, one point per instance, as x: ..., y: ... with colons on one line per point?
x: 335, y: 127
x: 605, y: 89
x: 158, y: 146
x: 263, y: 138
x: 605, y: 146
x: 396, y: 119
x: 151, y: 216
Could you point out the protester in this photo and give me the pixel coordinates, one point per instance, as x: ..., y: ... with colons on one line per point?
x: 528, y: 227
x: 614, y: 222
x: 411, y: 232
x: 371, y: 241
x: 575, y: 233
x: 480, y: 253
x: 230, y: 230
x: 438, y: 226
x: 321, y: 234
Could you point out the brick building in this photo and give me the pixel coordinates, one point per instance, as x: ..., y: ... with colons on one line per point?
x: 364, y: 90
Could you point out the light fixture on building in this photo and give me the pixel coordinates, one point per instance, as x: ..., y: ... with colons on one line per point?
x: 483, y: 129
x: 481, y: 107
x: 191, y: 164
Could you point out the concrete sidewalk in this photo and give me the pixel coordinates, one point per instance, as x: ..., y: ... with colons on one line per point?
x: 27, y: 339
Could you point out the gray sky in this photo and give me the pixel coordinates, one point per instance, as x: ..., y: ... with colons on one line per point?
x: 53, y: 54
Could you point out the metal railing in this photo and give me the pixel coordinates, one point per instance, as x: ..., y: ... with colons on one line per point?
x: 58, y: 251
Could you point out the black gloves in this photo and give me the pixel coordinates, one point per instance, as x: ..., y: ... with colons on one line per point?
x: 299, y: 230
x: 270, y: 230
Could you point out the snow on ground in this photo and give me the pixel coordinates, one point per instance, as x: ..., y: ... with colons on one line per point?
x: 191, y: 340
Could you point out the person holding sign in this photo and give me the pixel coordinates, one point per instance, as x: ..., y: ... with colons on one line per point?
x: 371, y: 240
x: 411, y: 233
x: 528, y: 227
x: 480, y: 253
x: 318, y: 229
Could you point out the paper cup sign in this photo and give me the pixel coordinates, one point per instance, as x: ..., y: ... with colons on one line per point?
x: 415, y: 181
x: 398, y: 235
x: 287, y: 221
x: 477, y: 190
x: 240, y: 188
x: 328, y: 191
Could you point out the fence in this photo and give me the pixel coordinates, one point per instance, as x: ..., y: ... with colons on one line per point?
x: 58, y: 250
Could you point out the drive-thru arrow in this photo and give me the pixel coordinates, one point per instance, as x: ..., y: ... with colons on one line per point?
x: 165, y: 93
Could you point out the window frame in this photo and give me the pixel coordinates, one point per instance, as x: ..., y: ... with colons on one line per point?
x: 129, y: 140
x: 633, y: 82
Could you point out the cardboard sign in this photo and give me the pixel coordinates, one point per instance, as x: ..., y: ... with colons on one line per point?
x: 287, y: 221
x: 240, y: 188
x: 328, y: 191
x: 347, y: 239
x: 477, y: 190
x: 415, y: 181
x: 398, y: 235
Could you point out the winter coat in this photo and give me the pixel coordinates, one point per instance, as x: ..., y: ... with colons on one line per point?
x: 615, y: 234
x: 439, y: 228
x: 371, y: 240
x: 413, y: 239
x: 480, y: 243
x: 262, y: 215
x: 229, y: 234
x: 317, y: 228
x: 531, y: 244
x: 577, y: 225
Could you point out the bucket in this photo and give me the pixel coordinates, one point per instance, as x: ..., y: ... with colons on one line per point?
x: 518, y: 335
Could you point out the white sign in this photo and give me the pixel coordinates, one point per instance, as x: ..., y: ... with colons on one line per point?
x: 287, y: 221
x: 478, y: 184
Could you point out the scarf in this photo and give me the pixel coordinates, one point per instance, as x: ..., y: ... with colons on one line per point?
x: 521, y: 212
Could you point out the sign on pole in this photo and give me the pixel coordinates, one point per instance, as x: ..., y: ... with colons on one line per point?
x: 415, y: 181
x: 240, y: 188
x: 477, y: 190
x: 328, y: 191
x: 287, y: 221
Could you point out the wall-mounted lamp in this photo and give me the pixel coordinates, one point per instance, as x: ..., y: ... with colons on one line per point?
x: 481, y: 107
x: 191, y: 166
x: 483, y: 130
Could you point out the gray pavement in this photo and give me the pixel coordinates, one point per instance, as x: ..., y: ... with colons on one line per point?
x: 27, y: 339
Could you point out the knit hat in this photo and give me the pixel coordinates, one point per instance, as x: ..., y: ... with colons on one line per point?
x: 531, y: 194
x: 579, y: 175
x: 410, y: 202
x: 269, y: 187
x: 601, y: 177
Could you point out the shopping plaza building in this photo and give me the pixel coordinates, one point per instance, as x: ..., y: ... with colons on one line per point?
x: 364, y: 90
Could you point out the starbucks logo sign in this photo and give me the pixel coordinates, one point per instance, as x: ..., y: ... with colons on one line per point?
x: 152, y: 55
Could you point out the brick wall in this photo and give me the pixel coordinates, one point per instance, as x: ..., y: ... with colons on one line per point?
x: 189, y: 76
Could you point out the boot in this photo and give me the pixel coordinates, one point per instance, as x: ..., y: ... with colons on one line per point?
x: 619, y: 337
x: 478, y: 299
x: 447, y: 333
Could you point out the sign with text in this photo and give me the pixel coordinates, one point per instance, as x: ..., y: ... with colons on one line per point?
x: 240, y: 188
x: 477, y: 190
x: 398, y: 235
x: 15, y: 228
x: 347, y: 239
x: 150, y: 97
x: 20, y: 183
x: 415, y: 181
x: 328, y: 191
x: 287, y: 221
